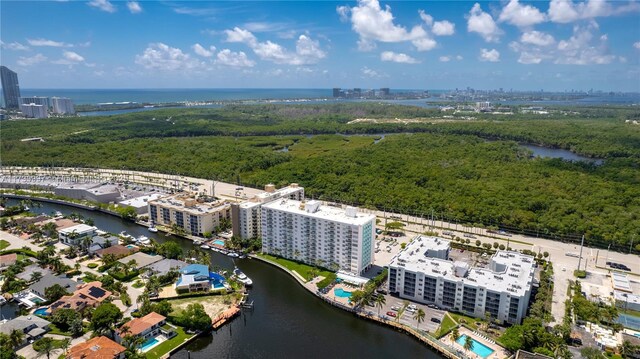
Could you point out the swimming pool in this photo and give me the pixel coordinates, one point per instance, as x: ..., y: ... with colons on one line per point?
x: 339, y: 292
x: 219, y: 242
x: 148, y: 344
x: 478, y: 348
x: 131, y: 246
x: 629, y: 321
x: 41, y: 311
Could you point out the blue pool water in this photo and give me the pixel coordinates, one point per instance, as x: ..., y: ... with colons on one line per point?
x: 219, y: 242
x: 131, y: 246
x: 41, y: 311
x: 478, y: 348
x: 148, y: 344
x: 339, y: 292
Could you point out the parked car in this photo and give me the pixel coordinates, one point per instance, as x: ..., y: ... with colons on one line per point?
x: 392, y: 314
x: 412, y: 306
x: 436, y: 320
x: 395, y: 308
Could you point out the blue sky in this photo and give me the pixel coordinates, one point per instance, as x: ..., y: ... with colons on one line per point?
x: 557, y: 45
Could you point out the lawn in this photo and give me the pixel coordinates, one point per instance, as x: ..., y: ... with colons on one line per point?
x: 446, y: 325
x: 469, y: 321
x: 4, y: 244
x: 300, y: 268
x: 169, y: 345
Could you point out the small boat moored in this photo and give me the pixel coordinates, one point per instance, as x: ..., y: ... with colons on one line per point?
x: 153, y: 229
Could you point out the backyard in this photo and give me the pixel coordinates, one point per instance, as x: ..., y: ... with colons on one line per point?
x: 166, y: 346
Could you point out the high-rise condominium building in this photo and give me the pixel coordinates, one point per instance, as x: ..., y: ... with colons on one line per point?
x: 10, y: 88
x: 62, y: 105
x: 326, y: 236
x: 38, y: 100
x: 422, y: 272
x: 34, y: 111
x: 246, y: 216
x: 186, y: 212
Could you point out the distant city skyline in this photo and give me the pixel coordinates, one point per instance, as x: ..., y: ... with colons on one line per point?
x: 556, y: 46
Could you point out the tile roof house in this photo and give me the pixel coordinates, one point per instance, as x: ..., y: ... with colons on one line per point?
x: 194, y: 277
x: 97, y: 348
x: 88, y: 295
x: 145, y: 327
x: 8, y: 260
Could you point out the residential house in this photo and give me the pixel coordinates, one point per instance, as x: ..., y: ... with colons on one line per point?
x: 8, y: 260
x: 50, y: 280
x: 165, y: 266
x: 117, y: 250
x: 33, y: 327
x: 146, y: 327
x: 97, y: 348
x: 75, y: 235
x: 142, y: 259
x: 193, y: 278
x: 88, y: 295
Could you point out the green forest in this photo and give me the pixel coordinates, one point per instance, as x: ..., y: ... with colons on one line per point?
x: 469, y: 168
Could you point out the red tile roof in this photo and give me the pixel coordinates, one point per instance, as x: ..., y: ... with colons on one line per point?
x: 96, y: 348
x: 139, y: 325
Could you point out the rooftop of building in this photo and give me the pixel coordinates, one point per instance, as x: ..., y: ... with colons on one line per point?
x: 166, y: 265
x: 141, y: 201
x: 98, y: 348
x: 87, y: 294
x: 21, y: 323
x: 117, y: 250
x: 139, y: 325
x: 349, y: 215
x: 508, y: 271
x: 78, y: 228
x: 142, y: 259
x: 49, y: 280
x: 189, y: 204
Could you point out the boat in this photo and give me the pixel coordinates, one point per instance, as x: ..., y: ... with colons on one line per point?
x: 204, y: 246
x: 125, y: 235
x: 143, y: 240
x: 241, y: 277
x: 153, y: 229
x: 197, y: 242
x: 58, y: 214
x: 233, y: 254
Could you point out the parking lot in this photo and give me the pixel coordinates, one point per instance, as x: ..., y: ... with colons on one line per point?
x: 432, y: 319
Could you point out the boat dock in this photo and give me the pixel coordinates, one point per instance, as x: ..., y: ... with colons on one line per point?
x: 224, y: 317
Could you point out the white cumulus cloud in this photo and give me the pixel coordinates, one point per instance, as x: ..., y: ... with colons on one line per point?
x: 537, y: 38
x: 371, y: 73
x: 443, y: 28
x: 69, y: 58
x: 520, y: 15
x: 134, y: 7
x: 637, y: 45
x: 489, y: 55
x: 482, y: 23
x: 201, y: 51
x: 565, y: 11
x: 374, y: 24
x: 307, y: 50
x: 391, y: 56
x: 159, y: 56
x: 28, y: 61
x: 103, y: 5
x: 234, y: 59
x: 444, y: 58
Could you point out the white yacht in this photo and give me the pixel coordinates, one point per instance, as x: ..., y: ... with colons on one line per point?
x: 153, y: 229
x: 144, y: 240
x: 241, y: 277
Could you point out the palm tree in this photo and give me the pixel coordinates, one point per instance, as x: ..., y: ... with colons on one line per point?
x: 44, y: 346
x: 405, y: 304
x: 86, y: 243
x: 15, y: 338
x: 455, y: 334
x: 380, y: 302
x: 419, y: 317
x: 468, y: 343
x: 65, y: 344
x: 35, y: 276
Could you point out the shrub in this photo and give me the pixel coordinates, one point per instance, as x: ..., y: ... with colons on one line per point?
x: 580, y: 274
x: 92, y: 265
x: 326, y: 281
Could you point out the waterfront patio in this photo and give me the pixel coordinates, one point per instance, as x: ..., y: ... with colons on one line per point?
x: 498, y: 351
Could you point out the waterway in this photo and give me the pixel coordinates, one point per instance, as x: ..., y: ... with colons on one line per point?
x: 287, y: 320
x: 546, y: 152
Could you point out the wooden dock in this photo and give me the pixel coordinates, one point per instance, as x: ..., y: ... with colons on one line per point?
x: 225, y: 317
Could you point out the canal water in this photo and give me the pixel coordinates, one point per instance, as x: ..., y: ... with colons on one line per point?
x: 287, y: 321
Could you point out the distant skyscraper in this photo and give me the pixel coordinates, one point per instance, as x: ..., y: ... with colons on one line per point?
x: 10, y: 87
x: 336, y: 92
x: 62, y: 105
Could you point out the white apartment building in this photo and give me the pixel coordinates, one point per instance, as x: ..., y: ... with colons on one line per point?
x: 74, y: 235
x: 32, y: 110
x: 329, y: 237
x: 62, y: 105
x: 246, y: 216
x: 422, y: 272
x: 186, y: 212
x: 38, y: 100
